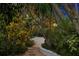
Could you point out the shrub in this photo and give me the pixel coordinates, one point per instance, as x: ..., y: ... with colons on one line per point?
x: 63, y: 38
x: 17, y: 38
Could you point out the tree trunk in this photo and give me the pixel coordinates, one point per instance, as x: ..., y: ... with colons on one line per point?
x: 73, y: 16
x: 58, y: 11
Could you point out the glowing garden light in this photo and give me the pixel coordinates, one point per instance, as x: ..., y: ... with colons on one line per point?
x: 54, y: 24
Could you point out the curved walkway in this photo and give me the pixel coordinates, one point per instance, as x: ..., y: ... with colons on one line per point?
x: 37, y: 49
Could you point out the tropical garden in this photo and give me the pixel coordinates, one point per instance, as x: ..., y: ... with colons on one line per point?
x: 57, y: 23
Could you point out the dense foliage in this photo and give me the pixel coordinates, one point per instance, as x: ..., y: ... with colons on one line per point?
x: 63, y: 39
x: 14, y: 32
x: 20, y: 22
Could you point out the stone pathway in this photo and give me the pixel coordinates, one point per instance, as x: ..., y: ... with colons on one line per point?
x: 37, y: 49
x: 33, y: 51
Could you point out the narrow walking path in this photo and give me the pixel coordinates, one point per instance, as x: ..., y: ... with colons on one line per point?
x: 37, y: 49
x: 33, y: 51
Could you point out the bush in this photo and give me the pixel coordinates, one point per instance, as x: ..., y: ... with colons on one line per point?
x: 17, y: 38
x: 63, y: 39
